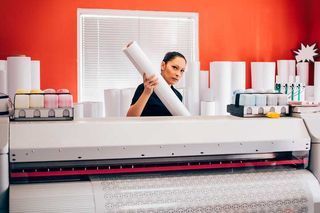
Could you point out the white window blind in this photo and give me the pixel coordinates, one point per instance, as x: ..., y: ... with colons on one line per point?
x: 102, y: 34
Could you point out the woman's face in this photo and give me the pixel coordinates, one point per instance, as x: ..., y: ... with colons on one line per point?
x: 173, y: 70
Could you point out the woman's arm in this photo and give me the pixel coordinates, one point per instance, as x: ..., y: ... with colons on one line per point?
x: 149, y: 84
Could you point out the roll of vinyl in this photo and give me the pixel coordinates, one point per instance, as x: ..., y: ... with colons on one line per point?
x: 163, y: 90
x: 112, y: 102
x: 309, y: 93
x: 220, y: 78
x: 92, y: 109
x: 35, y: 74
x: 292, y: 67
x: 206, y: 94
x: 3, y: 77
x: 317, y: 81
x: 303, y: 72
x: 283, y: 71
x: 207, y: 108
x: 78, y: 111
x: 238, y: 76
x: 19, y: 74
x: 262, y: 75
x: 192, y: 90
x: 126, y: 96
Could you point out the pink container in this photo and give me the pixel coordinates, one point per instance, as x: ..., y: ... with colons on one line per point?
x: 50, y: 101
x: 63, y: 91
x: 49, y: 91
x: 65, y: 100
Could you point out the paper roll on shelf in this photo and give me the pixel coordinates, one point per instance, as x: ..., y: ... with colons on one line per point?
x: 292, y: 67
x: 283, y: 71
x: 35, y: 74
x: 163, y: 90
x: 92, y: 109
x: 238, y: 76
x: 262, y: 76
x: 19, y: 74
x: 206, y: 94
x: 207, y: 108
x: 317, y: 81
x: 303, y: 72
x: 3, y: 77
x: 220, y: 79
x: 78, y: 111
x: 192, y: 87
x: 125, y: 100
x: 112, y: 102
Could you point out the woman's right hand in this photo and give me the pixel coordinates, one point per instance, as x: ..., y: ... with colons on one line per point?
x: 149, y: 83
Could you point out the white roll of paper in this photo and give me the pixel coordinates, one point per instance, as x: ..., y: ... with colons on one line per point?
x: 35, y: 74
x: 163, y: 90
x: 283, y: 71
x: 238, y: 76
x: 112, y: 102
x: 220, y: 77
x: 317, y: 81
x: 19, y: 74
x: 303, y: 72
x: 207, y: 108
x: 292, y: 67
x: 206, y: 94
x: 262, y: 76
x: 3, y: 77
x: 125, y: 100
x: 309, y: 93
x: 192, y: 87
x: 92, y: 109
x: 78, y: 111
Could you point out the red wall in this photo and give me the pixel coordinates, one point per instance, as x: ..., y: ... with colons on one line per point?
x: 250, y: 30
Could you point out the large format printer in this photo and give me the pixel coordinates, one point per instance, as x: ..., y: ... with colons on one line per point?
x: 161, y: 164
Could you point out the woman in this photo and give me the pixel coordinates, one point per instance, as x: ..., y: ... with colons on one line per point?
x: 145, y: 102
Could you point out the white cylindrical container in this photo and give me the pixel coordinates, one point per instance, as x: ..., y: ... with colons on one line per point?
x: 262, y: 76
x: 35, y: 74
x: 207, y: 108
x: 206, y: 93
x: 283, y: 71
x: 192, y: 87
x: 3, y: 77
x: 125, y: 100
x: 220, y: 78
x: 317, y: 81
x: 19, y: 74
x: 112, y: 102
x: 238, y: 76
x: 303, y: 72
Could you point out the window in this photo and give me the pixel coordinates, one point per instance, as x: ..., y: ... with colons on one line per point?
x: 102, y: 34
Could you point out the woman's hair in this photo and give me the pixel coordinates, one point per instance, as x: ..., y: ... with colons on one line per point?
x: 172, y: 55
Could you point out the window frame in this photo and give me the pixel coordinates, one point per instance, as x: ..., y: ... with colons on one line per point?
x: 129, y: 13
